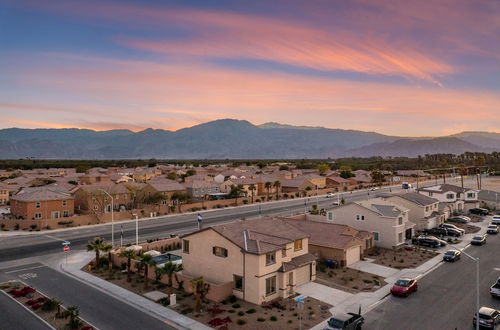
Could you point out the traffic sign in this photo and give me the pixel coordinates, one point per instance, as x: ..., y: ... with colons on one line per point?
x: 66, y: 248
x: 66, y: 243
x: 300, y: 299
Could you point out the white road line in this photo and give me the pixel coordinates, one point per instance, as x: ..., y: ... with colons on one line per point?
x: 55, y: 238
x: 23, y: 269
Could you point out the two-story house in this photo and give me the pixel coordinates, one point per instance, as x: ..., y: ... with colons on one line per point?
x: 200, y: 188
x: 4, y: 194
x: 388, y: 223
x: 424, y: 210
x: 458, y: 199
x: 263, y: 258
x: 48, y: 202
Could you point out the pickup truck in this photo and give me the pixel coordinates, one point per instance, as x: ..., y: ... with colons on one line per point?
x: 495, y: 289
x: 349, y: 321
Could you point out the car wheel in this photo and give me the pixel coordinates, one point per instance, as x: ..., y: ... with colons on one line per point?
x: 406, y: 295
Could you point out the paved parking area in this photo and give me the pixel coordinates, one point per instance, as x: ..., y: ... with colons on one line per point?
x: 15, y: 316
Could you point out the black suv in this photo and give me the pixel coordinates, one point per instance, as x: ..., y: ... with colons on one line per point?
x: 479, y: 211
x: 426, y: 241
x: 440, y: 231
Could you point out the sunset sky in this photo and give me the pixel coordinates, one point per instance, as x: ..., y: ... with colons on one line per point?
x: 408, y: 68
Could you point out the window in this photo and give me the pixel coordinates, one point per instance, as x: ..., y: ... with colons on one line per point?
x: 471, y: 195
x: 185, y: 246
x: 219, y: 251
x: 368, y: 243
x: 38, y: 205
x: 297, y: 245
x: 65, y: 214
x: 400, y: 220
x: 238, y: 282
x: 430, y: 194
x: 330, y: 216
x: 376, y: 236
x: 96, y: 207
x: 450, y: 196
x: 360, y: 217
x: 56, y: 215
x: 270, y: 258
x: 270, y: 285
x: 38, y: 215
x: 426, y: 209
x: 64, y: 203
x: 283, y: 253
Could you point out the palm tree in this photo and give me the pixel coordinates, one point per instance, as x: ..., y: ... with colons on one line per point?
x: 200, y: 289
x: 73, y: 313
x: 277, y: 185
x: 145, y: 262
x: 129, y: 254
x: 107, y: 247
x: 236, y: 191
x: 97, y: 244
x: 268, y: 186
x: 252, y: 188
x: 170, y: 269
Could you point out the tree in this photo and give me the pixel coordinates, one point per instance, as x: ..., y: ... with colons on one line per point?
x: 346, y: 172
x: 277, y: 186
x: 268, y: 186
x: 170, y: 269
x: 179, y: 198
x: 377, y: 177
x: 323, y: 168
x: 252, y: 188
x: 97, y: 245
x: 235, y: 192
x: 129, y: 254
x: 73, y: 313
x: 200, y: 289
x: 145, y: 262
x: 107, y: 247
x: 172, y: 176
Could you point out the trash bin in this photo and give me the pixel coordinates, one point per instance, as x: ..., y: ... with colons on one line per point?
x: 330, y: 263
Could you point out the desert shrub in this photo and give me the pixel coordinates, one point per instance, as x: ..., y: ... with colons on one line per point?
x: 241, y: 321
x: 251, y: 311
x: 261, y: 319
x: 241, y: 313
x: 273, y: 318
x: 186, y: 311
x: 232, y: 299
x: 236, y: 305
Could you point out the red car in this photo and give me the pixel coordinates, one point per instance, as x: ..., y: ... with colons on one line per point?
x: 404, y: 287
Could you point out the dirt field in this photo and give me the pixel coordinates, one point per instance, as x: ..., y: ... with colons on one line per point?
x: 350, y: 280
x: 402, y: 258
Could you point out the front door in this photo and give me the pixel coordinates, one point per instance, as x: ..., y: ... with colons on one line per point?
x: 290, y: 283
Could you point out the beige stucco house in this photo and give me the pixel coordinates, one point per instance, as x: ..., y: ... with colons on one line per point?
x: 263, y: 258
x: 457, y: 198
x: 388, y: 223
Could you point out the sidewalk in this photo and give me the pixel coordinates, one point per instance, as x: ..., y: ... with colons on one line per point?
x: 368, y: 300
x: 170, y: 317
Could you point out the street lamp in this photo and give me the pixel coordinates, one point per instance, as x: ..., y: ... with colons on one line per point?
x: 112, y: 218
x: 477, y: 284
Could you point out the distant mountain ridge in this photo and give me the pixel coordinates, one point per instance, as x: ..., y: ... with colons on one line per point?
x: 231, y: 139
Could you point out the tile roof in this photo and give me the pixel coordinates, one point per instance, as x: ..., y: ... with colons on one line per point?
x: 417, y: 198
x: 441, y: 188
x: 260, y: 236
x: 329, y: 234
x: 386, y: 210
x: 47, y: 193
x: 297, y: 262
x: 166, y: 185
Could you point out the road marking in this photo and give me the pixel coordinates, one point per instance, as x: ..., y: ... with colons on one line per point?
x: 23, y: 269
x: 497, y: 269
x: 55, y: 238
x: 26, y: 276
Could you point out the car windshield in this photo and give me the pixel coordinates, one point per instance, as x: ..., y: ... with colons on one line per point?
x: 477, y: 238
x: 450, y: 253
x: 484, y: 316
x: 335, y: 323
x: 403, y: 283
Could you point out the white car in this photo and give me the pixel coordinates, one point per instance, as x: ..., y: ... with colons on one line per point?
x: 374, y: 188
x: 329, y: 195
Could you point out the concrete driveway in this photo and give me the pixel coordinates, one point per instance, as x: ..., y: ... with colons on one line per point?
x: 323, y: 293
x: 372, y: 268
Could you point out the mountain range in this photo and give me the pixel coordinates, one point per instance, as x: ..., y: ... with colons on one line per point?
x: 231, y: 139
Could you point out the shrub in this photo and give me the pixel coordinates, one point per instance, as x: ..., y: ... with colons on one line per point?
x: 164, y: 301
x: 186, y: 311
x: 232, y: 299
x: 241, y: 313
x: 231, y: 311
x: 261, y: 319
x: 290, y: 321
x: 236, y: 305
x: 273, y: 318
x: 251, y: 311
x: 16, y: 226
x: 241, y: 321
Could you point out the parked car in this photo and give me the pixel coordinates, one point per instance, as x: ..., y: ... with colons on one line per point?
x: 436, y: 231
x: 349, y: 321
x: 492, y: 229
x: 489, y: 318
x: 496, y: 220
x: 452, y: 255
x: 404, y: 287
x: 330, y: 195
x: 479, y: 211
x: 452, y: 226
x: 374, y: 188
x: 495, y: 289
x: 458, y: 219
x: 429, y: 241
x: 455, y: 232
x: 478, y: 240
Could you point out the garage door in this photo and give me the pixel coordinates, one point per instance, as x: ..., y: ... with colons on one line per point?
x: 353, y: 255
x: 303, y: 274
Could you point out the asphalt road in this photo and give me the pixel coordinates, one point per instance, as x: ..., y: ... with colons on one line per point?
x: 92, y: 302
x: 14, y: 316
x: 41, y: 243
x: 446, y: 298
